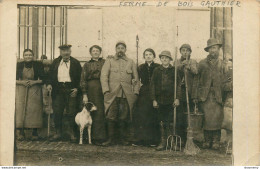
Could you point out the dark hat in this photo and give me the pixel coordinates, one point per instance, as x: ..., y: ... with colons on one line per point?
x: 212, y: 42
x: 65, y: 46
x: 166, y: 53
x: 121, y: 43
x: 186, y: 46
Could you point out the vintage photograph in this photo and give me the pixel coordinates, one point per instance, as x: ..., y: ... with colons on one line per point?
x: 124, y: 85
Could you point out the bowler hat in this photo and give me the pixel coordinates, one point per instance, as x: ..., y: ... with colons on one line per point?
x: 65, y: 46
x: 186, y: 46
x: 166, y: 53
x: 121, y: 43
x: 212, y: 42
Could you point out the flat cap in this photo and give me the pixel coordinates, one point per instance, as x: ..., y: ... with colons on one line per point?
x: 121, y: 43
x: 186, y: 46
x: 65, y: 46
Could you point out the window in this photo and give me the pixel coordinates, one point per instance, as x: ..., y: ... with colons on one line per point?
x: 42, y: 29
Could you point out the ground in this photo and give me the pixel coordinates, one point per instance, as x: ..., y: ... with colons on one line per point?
x: 66, y: 153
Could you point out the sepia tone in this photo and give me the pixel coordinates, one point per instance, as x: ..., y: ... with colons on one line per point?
x: 47, y: 29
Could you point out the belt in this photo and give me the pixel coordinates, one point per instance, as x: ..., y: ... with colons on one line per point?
x: 64, y: 84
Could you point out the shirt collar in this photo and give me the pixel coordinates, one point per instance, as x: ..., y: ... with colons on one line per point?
x: 61, y: 62
x: 92, y: 60
x: 151, y: 64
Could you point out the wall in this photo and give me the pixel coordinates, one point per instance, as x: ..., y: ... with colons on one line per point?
x: 156, y: 29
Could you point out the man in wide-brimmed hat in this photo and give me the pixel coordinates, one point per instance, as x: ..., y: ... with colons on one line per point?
x: 191, y: 67
x: 63, y: 80
x: 208, y: 91
x: 162, y: 94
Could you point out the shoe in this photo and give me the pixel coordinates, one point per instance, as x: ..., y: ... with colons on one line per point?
x: 35, y: 138
x: 55, y: 137
x: 206, y: 145
x: 162, y: 144
x: 215, y: 146
x: 73, y: 139
x: 111, y: 130
x: 124, y: 143
x: 216, y: 140
x: 20, y: 136
x: 122, y: 130
x: 207, y: 139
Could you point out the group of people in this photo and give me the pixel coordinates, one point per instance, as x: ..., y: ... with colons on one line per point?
x: 134, y: 104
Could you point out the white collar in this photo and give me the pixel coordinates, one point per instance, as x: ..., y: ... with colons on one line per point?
x: 64, y: 62
x: 165, y: 67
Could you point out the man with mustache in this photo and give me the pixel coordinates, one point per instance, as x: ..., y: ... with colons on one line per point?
x: 120, y: 85
x: 64, y: 81
x: 208, y: 91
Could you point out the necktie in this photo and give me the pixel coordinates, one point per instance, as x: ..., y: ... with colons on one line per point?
x: 66, y: 63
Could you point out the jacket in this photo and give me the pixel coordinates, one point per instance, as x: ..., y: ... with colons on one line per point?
x: 162, y: 85
x: 210, y: 74
x: 192, y: 71
x: 75, y: 73
x: 119, y: 72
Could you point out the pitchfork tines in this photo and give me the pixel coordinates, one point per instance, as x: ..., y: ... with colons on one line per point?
x: 174, y: 142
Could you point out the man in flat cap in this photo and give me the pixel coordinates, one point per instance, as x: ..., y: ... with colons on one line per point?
x: 120, y: 85
x: 208, y: 91
x: 190, y: 65
x: 64, y: 80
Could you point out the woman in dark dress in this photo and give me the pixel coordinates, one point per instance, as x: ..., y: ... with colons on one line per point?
x: 92, y: 92
x: 29, y: 76
x: 145, y: 116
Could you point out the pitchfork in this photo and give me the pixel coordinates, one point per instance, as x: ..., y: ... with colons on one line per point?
x: 174, y: 138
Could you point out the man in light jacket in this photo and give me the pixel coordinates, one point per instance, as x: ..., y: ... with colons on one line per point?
x: 120, y: 85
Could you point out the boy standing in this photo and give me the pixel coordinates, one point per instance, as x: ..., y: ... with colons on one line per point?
x: 162, y: 94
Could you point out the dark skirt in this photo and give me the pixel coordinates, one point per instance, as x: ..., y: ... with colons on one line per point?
x: 95, y: 96
x: 145, y: 118
x: 213, y: 112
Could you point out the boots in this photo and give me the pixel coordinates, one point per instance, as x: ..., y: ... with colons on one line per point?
x: 111, y: 132
x: 123, y: 135
x: 162, y: 144
x: 56, y: 136
x: 216, y: 139
x: 207, y: 140
x: 35, y: 136
x: 20, y: 135
x: 73, y: 129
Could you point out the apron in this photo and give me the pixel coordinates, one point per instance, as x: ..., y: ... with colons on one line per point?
x: 32, y: 117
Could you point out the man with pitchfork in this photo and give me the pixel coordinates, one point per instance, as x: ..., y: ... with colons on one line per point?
x: 185, y: 62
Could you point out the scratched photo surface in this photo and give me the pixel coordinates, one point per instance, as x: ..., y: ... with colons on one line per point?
x: 97, y: 85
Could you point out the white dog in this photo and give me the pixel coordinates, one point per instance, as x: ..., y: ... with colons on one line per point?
x: 83, y: 119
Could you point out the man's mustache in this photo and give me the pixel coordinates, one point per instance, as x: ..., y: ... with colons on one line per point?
x: 121, y: 53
